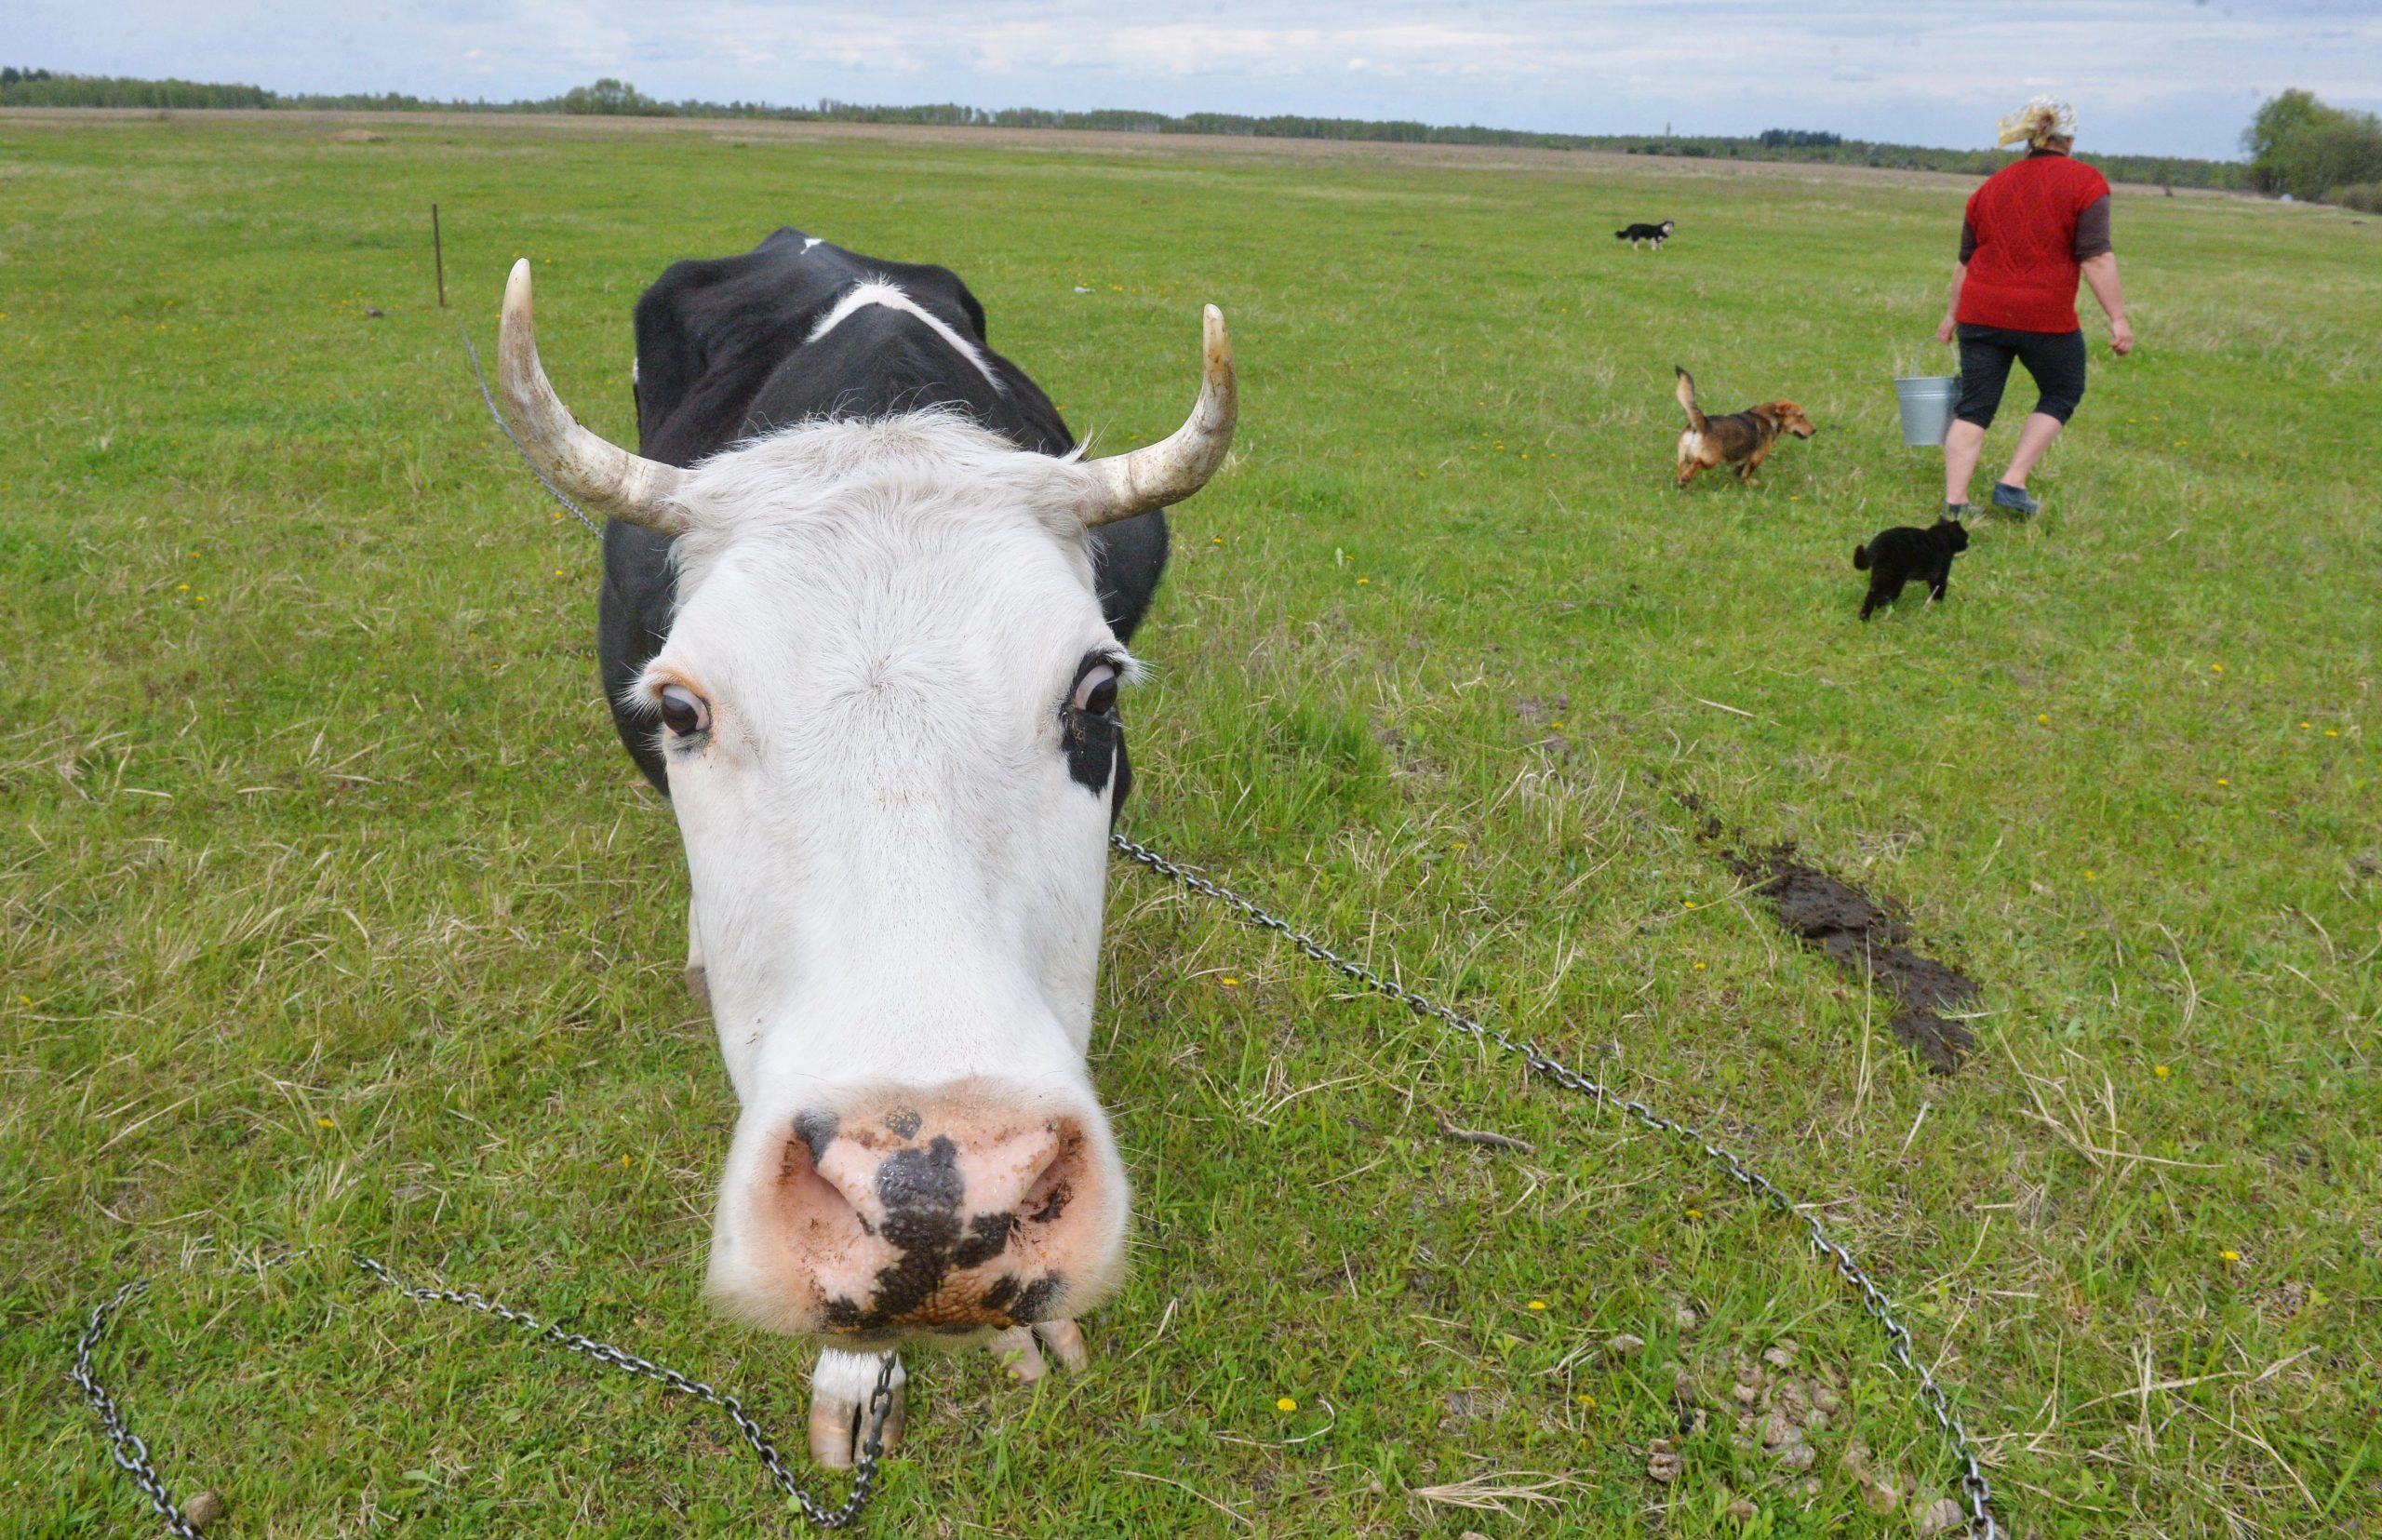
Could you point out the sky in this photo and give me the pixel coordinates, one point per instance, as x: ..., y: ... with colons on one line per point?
x: 2147, y: 77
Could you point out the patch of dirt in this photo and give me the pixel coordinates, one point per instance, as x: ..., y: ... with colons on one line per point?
x: 1870, y: 940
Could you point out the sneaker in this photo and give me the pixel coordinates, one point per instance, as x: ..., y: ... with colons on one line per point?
x: 2014, y: 500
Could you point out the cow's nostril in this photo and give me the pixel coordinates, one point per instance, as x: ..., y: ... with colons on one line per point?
x: 810, y: 1198
x: 1046, y: 1200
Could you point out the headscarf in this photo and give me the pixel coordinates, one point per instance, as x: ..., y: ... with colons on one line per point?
x: 2044, y: 117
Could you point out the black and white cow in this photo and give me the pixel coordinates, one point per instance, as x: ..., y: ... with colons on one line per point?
x: 864, y: 621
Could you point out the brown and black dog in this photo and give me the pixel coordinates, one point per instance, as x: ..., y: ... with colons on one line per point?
x: 1742, y: 439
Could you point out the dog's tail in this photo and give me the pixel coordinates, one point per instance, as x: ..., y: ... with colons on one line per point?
x: 1687, y: 398
x: 1621, y: 235
x: 1860, y: 558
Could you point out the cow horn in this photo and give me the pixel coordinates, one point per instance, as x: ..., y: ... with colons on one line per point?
x: 1180, y: 464
x: 589, y: 468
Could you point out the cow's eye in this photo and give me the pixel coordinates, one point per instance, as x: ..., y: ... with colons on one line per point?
x: 1096, y: 691
x: 683, y: 711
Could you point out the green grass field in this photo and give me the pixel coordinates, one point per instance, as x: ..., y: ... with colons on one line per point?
x: 335, y: 916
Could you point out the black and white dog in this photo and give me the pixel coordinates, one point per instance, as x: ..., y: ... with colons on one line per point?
x: 1657, y: 234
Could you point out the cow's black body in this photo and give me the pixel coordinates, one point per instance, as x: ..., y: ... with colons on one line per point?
x: 721, y: 358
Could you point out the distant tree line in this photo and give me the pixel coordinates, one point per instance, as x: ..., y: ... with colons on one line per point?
x: 2329, y: 154
x: 41, y: 89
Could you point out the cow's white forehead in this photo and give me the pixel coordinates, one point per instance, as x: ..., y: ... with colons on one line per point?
x: 934, y: 473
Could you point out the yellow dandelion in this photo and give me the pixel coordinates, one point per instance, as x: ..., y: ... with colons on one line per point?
x: 625, y: 1159
x: 325, y: 1123
x: 2216, y: 668
x: 1217, y: 541
x: 2330, y: 733
x: 1689, y: 902
x: 2091, y: 876
x: 1699, y: 968
x: 1461, y: 844
x: 1230, y: 981
x: 1556, y: 724
x: 1537, y: 1304
x: 181, y: 588
x: 2042, y: 718
x: 2160, y: 1070
x: 1695, y: 1213
x: 1362, y: 582
x: 2305, y: 726
x: 2230, y: 1256
x: 1286, y: 1404
x: 557, y: 571
x: 2222, y: 781
x: 201, y: 599
x: 24, y: 999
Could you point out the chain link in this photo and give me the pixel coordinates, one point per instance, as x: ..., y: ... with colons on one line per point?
x: 132, y: 1455
x: 1873, y: 1299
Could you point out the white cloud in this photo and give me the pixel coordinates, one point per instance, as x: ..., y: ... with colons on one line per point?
x: 2146, y: 74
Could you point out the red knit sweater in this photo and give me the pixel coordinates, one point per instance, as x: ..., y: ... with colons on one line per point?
x: 2023, y: 276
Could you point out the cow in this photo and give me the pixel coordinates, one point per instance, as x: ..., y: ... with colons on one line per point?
x: 863, y: 624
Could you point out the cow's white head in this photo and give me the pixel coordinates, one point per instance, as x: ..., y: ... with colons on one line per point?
x: 887, y: 704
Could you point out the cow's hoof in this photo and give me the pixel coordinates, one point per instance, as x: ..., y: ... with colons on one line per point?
x: 840, y: 1388
x: 1021, y: 1353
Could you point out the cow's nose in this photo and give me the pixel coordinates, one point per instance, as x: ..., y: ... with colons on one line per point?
x: 930, y: 1215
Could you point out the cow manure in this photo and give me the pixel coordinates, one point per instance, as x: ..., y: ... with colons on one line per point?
x: 1869, y: 940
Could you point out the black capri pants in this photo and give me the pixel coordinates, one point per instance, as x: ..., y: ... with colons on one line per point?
x: 2055, y: 358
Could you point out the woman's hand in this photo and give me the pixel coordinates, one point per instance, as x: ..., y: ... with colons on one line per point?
x: 2120, y: 336
x: 1947, y: 332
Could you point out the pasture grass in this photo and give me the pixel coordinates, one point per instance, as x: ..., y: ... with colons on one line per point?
x: 334, y: 914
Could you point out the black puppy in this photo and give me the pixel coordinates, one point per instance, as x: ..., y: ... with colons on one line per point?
x: 1653, y: 234
x: 1895, y: 557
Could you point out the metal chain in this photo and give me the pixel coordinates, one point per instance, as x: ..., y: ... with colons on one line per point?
x: 132, y: 1455
x: 523, y: 449
x: 1873, y: 1299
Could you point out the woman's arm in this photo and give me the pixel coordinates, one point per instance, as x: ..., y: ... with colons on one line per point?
x: 2101, y: 277
x: 1946, y: 332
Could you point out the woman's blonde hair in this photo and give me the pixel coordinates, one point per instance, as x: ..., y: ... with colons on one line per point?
x: 2043, y: 119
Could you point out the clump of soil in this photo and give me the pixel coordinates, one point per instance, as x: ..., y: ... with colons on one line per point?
x: 1870, y: 942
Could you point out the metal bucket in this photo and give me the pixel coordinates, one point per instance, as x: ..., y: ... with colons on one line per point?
x: 1927, y: 404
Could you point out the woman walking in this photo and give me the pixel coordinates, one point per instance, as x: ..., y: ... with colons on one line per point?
x: 2034, y: 227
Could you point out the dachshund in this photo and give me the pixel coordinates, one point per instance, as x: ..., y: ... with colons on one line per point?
x: 1742, y: 439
